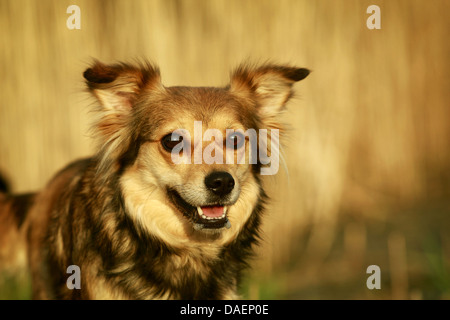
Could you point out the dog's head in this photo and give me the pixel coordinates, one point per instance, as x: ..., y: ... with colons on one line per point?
x: 189, y: 157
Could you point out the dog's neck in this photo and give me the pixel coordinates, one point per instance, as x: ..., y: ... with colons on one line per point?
x: 167, y: 264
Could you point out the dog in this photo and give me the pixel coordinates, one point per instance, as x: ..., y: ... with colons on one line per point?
x: 135, y: 224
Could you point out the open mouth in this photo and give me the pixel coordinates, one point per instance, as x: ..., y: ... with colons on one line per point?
x: 212, y: 217
x: 202, y: 217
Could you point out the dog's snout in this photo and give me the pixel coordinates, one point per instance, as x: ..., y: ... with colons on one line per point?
x: 221, y: 183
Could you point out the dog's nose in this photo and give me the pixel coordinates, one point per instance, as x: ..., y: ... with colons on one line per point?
x: 220, y: 182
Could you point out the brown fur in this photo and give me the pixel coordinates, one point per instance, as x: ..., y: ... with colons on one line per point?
x: 127, y: 217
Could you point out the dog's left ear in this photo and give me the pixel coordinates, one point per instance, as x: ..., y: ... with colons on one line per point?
x: 117, y: 86
x: 270, y: 85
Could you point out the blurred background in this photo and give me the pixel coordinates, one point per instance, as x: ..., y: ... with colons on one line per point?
x: 367, y: 159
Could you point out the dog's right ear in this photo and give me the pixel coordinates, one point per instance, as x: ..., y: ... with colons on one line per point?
x: 117, y: 86
x: 269, y: 85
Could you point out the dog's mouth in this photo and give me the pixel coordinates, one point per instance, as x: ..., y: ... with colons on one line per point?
x: 212, y: 217
x: 202, y: 217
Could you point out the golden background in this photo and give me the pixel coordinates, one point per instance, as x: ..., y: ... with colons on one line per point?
x: 367, y: 179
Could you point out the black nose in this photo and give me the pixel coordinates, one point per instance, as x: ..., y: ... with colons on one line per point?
x: 220, y: 182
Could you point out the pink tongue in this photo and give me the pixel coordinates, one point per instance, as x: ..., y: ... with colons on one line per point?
x: 213, y: 212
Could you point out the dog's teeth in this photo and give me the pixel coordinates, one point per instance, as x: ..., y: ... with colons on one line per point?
x: 228, y: 224
x: 203, y: 216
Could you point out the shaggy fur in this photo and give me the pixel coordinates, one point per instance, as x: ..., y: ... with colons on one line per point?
x: 129, y: 217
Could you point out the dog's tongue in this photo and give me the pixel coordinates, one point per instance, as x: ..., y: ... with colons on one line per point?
x: 214, y: 211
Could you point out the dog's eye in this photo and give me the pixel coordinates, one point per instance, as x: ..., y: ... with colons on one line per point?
x: 235, y: 140
x: 170, y: 141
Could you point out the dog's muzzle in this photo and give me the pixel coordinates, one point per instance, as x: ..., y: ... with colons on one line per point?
x: 202, y: 217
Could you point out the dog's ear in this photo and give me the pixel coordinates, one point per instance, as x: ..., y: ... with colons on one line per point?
x: 117, y: 86
x: 269, y: 85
